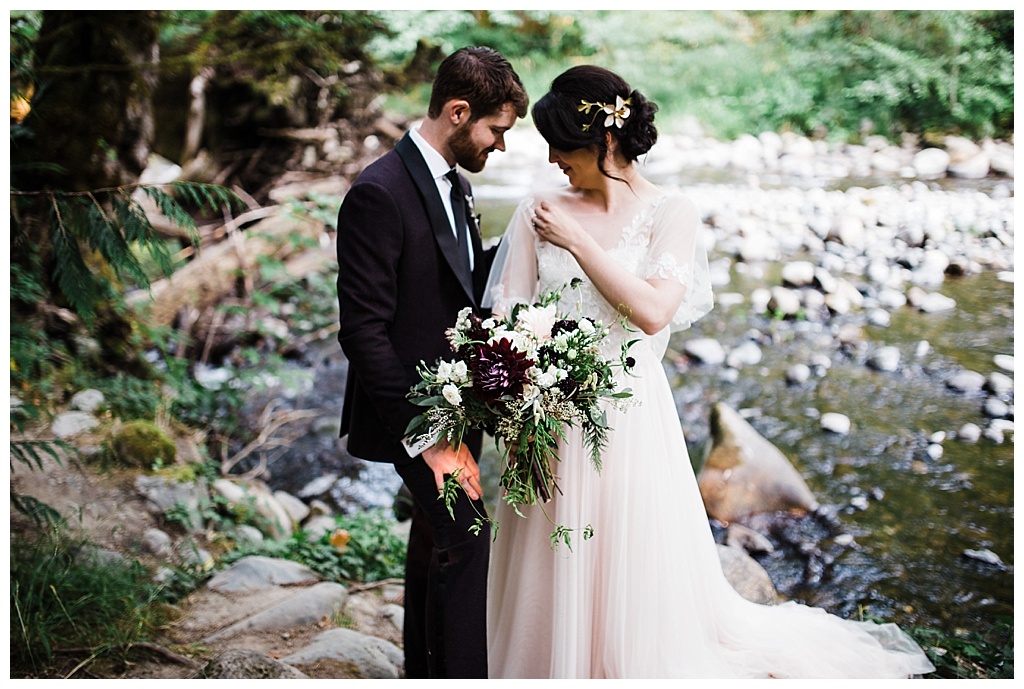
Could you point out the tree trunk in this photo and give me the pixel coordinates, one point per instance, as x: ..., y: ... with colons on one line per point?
x: 91, y: 121
x: 93, y: 112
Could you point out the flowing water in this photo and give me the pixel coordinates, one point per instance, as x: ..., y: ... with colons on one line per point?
x: 905, y: 517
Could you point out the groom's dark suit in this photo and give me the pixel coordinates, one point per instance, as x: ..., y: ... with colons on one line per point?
x: 401, y: 283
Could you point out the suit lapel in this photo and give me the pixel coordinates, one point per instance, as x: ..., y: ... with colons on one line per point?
x: 439, y: 224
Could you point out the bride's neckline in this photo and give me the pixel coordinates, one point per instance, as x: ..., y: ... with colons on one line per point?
x: 631, y: 207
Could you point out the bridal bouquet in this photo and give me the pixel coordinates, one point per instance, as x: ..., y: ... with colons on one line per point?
x: 524, y: 379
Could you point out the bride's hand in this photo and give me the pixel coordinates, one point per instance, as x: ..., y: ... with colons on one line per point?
x: 553, y: 224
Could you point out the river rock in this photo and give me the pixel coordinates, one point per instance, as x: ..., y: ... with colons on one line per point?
x: 930, y: 163
x: 885, y: 359
x: 833, y: 422
x: 935, y: 302
x: 995, y: 408
x: 975, y: 167
x: 969, y: 433
x: 240, y: 663
x: 746, y: 474
x: 984, y: 555
x: 784, y: 302
x: 999, y: 383
x: 706, y: 350
x: 71, y: 423
x: 746, y: 576
x: 966, y: 381
x: 879, y: 318
x: 304, y: 606
x: 157, y: 542
x: 163, y: 495
x: 748, y: 540
x: 276, y: 520
x: 745, y: 354
x: 87, y: 400
x: 798, y: 374
x: 798, y: 274
x: 891, y: 298
x: 256, y: 572
x: 1001, y: 155
x: 296, y: 509
x: 1003, y: 361
x: 373, y: 657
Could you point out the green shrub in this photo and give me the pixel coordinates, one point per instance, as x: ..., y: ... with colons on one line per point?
x: 373, y: 551
x: 141, y: 444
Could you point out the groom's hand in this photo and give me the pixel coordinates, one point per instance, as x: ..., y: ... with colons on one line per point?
x: 444, y: 460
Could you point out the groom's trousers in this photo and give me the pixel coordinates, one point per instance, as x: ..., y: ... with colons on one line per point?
x: 445, y: 632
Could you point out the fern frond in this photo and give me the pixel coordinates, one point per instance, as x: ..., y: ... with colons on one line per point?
x: 75, y: 280
x: 173, y: 210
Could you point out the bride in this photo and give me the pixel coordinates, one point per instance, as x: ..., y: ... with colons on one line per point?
x: 645, y: 597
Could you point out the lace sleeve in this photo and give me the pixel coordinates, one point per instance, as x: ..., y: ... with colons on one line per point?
x: 677, y: 253
x: 513, y: 276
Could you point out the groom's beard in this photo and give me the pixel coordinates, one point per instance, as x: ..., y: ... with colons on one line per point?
x: 468, y: 155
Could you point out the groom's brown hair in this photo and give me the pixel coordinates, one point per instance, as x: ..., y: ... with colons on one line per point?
x: 483, y: 78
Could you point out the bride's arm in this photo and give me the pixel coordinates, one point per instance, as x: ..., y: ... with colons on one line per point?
x: 649, y: 304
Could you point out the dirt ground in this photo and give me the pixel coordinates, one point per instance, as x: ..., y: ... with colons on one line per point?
x: 104, y: 507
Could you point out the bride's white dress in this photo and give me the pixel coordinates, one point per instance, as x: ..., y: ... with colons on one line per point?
x: 645, y: 597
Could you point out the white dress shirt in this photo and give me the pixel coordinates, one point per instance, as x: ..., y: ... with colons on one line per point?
x: 439, y: 167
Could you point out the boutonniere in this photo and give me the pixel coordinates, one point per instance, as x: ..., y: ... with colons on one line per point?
x: 472, y: 212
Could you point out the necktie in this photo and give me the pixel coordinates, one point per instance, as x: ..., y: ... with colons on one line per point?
x: 459, y: 211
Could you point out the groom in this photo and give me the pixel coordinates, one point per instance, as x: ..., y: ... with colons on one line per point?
x: 409, y: 259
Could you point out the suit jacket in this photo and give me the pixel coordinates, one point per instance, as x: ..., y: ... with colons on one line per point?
x: 400, y: 286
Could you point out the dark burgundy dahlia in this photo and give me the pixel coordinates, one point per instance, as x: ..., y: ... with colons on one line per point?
x: 499, y: 369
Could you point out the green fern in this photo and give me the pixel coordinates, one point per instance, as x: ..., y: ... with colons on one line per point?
x: 112, y: 223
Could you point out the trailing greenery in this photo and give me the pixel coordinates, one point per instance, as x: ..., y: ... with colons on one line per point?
x: 971, y: 655
x: 71, y: 608
x: 364, y: 547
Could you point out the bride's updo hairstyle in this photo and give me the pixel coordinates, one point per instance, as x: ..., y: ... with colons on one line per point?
x: 560, y: 120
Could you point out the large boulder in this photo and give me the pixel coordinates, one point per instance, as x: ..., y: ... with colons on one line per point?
x: 745, y: 474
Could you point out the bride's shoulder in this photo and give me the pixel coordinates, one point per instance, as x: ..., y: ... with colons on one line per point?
x: 556, y: 195
x: 676, y: 200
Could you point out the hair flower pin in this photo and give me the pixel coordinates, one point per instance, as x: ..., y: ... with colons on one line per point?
x: 617, y: 114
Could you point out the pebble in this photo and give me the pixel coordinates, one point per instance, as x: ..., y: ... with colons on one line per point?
x: 834, y: 422
x: 966, y: 381
x: 969, y: 433
x: 996, y: 408
x: 984, y: 555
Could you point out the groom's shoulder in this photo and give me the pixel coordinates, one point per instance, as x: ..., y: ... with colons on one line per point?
x: 382, y: 169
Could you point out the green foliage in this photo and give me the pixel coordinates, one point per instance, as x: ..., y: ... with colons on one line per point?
x: 373, y: 551
x: 837, y: 73
x: 971, y: 655
x: 62, y: 598
x: 109, y: 225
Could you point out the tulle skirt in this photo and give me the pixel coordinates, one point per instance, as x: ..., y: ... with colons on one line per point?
x: 645, y: 597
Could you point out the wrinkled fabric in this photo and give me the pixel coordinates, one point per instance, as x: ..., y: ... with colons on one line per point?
x: 645, y: 597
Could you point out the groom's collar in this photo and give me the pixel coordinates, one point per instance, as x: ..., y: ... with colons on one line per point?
x: 436, y: 163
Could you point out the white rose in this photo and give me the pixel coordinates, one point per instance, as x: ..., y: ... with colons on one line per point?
x: 444, y: 372
x: 538, y: 320
x: 460, y: 372
x: 489, y: 323
x: 586, y: 326
x: 571, y: 354
x: 451, y: 393
x: 519, y: 341
x: 546, y: 379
